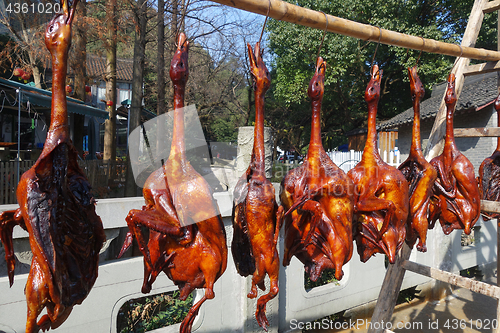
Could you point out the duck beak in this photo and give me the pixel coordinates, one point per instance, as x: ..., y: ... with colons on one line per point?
x: 320, y: 66
x: 182, y: 41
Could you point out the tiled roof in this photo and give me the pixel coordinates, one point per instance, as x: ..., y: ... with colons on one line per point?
x: 478, y: 90
x: 96, y: 68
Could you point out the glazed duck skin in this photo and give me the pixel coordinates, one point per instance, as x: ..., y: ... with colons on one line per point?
x: 489, y: 173
x: 381, y: 192
x: 456, y: 200
x: 193, y: 255
x: 56, y: 207
x: 254, y: 207
x: 419, y: 173
x: 318, y: 199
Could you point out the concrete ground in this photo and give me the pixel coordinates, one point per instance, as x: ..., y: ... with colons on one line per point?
x: 460, y: 312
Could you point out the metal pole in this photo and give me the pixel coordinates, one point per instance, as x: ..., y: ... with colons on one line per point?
x: 19, y: 95
x: 128, y: 124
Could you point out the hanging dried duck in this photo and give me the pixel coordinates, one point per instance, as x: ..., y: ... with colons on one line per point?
x: 418, y: 172
x: 56, y: 207
x: 489, y: 173
x: 381, y: 191
x: 254, y: 207
x: 456, y: 200
x: 317, y: 197
x: 193, y: 255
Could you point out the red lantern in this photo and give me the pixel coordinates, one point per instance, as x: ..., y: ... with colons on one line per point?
x: 18, y: 72
x: 26, y: 76
x: 87, y: 89
x: 109, y: 103
x: 68, y: 89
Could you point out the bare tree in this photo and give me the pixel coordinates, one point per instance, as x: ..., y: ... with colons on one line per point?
x: 161, y: 57
x: 27, y: 29
x: 140, y: 17
x: 161, y: 106
x: 79, y: 67
x: 111, y: 43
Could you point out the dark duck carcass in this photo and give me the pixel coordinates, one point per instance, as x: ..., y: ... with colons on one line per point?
x: 255, y: 209
x: 56, y: 207
x: 489, y: 173
x: 419, y: 173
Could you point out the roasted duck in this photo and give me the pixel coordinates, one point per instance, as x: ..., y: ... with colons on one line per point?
x: 187, y: 239
x: 318, y: 200
x: 418, y: 172
x: 254, y: 207
x: 381, y: 192
x: 56, y: 207
x: 489, y: 173
x: 455, y: 201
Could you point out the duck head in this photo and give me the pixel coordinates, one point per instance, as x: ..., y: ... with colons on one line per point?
x: 372, y: 92
x: 179, y: 69
x: 260, y: 74
x: 416, y: 86
x: 450, y: 96
x: 317, y: 84
x: 58, y: 31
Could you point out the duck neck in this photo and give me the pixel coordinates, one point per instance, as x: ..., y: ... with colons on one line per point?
x: 371, y: 146
x: 258, y: 152
x: 316, y: 125
x: 178, y: 146
x: 416, y: 144
x: 59, y: 108
x: 449, y: 143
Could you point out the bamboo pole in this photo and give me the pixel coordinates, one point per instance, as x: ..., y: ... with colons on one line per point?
x: 288, y: 12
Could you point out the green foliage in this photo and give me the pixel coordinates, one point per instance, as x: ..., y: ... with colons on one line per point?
x: 294, y: 49
x: 328, y: 276
x: 472, y: 273
x: 223, y: 129
x: 280, y: 170
x: 152, y: 312
x: 407, y: 295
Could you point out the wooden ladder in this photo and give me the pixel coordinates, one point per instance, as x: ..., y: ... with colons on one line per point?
x: 393, y: 280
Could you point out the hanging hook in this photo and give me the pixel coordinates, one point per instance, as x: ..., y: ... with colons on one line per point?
x: 423, y: 46
x: 265, y: 21
x: 324, y: 34
x: 376, y: 48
